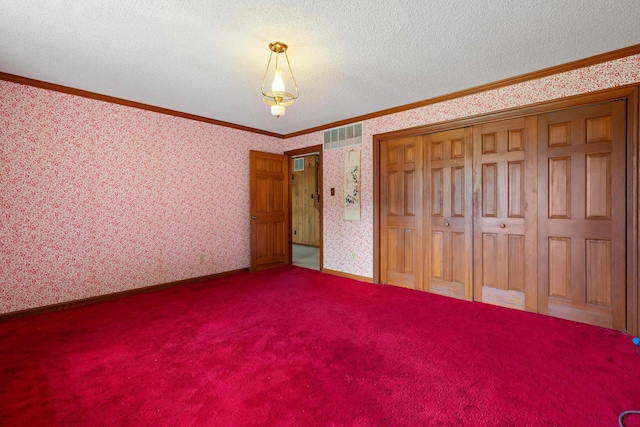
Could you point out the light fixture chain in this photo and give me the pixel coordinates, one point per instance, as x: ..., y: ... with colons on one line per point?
x: 295, y: 84
x: 265, y: 74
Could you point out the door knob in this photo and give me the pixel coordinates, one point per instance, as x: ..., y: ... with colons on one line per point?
x: 502, y: 226
x: 253, y: 217
x: 446, y: 224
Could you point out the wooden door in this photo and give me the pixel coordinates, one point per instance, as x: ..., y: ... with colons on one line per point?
x: 401, y: 212
x: 582, y: 220
x: 449, y: 222
x: 504, y: 186
x: 305, y: 201
x: 269, y: 230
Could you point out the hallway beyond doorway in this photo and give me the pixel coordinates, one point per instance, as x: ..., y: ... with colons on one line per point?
x: 306, y: 256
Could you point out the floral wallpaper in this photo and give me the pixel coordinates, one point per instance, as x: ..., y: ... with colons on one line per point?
x: 355, y: 254
x: 97, y: 198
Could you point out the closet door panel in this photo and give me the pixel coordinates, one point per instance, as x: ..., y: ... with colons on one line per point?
x: 448, y: 224
x: 401, y: 212
x: 582, y: 198
x: 504, y: 187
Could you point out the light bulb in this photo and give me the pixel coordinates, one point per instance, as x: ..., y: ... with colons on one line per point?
x: 277, y: 110
x: 278, y: 83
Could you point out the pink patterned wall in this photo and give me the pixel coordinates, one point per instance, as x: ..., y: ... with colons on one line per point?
x: 345, y: 240
x: 97, y: 198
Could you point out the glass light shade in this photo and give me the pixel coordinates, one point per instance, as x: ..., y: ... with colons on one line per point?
x: 277, y: 110
x: 278, y: 83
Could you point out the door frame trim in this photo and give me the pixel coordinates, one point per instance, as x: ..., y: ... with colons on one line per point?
x: 302, y: 151
x: 627, y: 92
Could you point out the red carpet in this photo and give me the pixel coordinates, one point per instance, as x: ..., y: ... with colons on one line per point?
x: 297, y: 347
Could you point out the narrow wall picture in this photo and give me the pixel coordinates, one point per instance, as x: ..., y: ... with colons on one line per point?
x: 352, y: 186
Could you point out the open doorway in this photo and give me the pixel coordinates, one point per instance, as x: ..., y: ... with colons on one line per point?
x: 306, y: 207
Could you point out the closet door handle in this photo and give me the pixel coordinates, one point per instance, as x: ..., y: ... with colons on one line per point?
x: 446, y: 224
x: 502, y: 226
x: 254, y: 217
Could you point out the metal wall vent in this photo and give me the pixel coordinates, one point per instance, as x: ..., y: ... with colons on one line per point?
x: 345, y: 136
x: 298, y: 164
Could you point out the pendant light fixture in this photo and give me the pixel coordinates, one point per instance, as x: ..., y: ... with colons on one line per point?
x: 278, y: 97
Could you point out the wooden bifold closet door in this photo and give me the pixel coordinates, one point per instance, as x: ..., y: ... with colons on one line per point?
x: 527, y: 213
x: 582, y: 219
x: 504, y: 189
x: 401, y: 212
x: 448, y: 219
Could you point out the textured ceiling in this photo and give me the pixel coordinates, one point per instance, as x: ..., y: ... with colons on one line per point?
x: 350, y: 58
